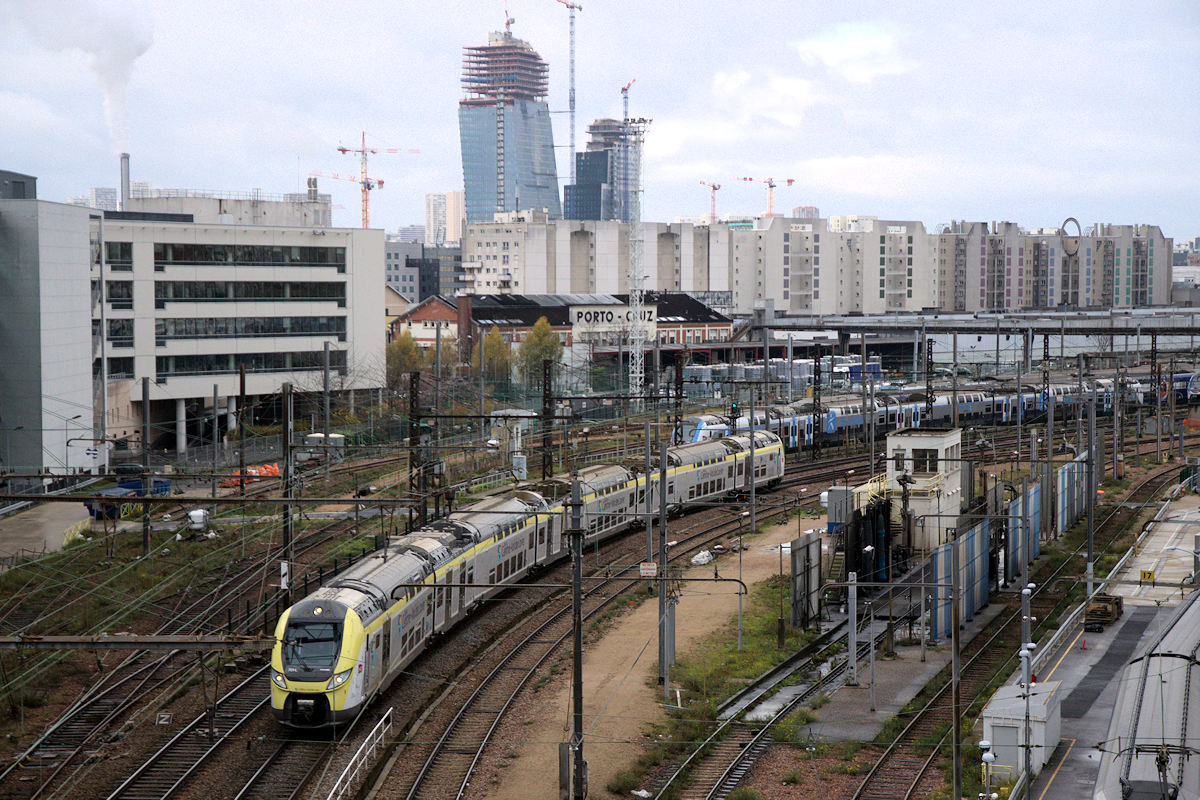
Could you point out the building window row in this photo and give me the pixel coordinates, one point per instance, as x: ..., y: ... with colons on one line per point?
x: 120, y: 332
x: 119, y: 256
x: 248, y: 255
x: 223, y: 363
x: 205, y: 291
x: 231, y: 327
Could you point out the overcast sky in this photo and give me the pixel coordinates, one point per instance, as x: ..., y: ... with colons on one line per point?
x: 1023, y: 111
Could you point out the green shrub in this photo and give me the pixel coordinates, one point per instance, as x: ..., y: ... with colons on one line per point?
x: 622, y: 783
x: 745, y: 793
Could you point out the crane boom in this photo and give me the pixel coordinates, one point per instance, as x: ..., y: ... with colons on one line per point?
x: 714, y: 187
x: 770, y: 183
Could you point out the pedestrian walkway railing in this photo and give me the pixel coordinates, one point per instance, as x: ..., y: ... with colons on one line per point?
x: 363, y: 758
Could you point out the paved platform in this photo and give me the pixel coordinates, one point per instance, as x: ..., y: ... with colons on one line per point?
x: 848, y: 715
x: 1088, y: 672
x: 38, y: 529
x: 1176, y: 530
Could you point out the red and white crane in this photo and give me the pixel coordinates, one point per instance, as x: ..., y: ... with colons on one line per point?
x: 366, y: 183
x: 714, y: 187
x: 770, y: 182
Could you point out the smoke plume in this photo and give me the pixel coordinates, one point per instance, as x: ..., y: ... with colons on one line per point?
x: 113, y: 34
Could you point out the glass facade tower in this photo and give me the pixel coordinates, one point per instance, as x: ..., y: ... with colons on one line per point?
x: 505, y: 132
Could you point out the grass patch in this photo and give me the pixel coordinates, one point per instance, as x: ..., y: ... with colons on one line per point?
x: 746, y: 793
x: 714, y: 669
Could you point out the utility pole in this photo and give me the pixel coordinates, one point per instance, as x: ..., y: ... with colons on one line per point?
x: 1091, y: 486
x: 663, y: 665
x: 928, y: 373
x: 416, y: 466
x: 953, y: 380
x: 547, y: 414
x: 580, y: 766
x: 147, y: 478
x: 871, y: 428
x: 862, y: 346
x: 816, y: 398
x: 956, y: 667
x: 1020, y: 410
x: 791, y: 373
x: 649, y: 499
x: 677, y: 427
x: 242, y: 430
x: 288, y: 522
x: 1158, y: 392
x: 1079, y: 402
x: 325, y: 428
x: 215, y: 439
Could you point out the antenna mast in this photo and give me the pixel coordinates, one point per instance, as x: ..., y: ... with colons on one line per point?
x: 634, y: 132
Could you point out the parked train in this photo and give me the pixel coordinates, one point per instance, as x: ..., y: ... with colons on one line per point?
x: 794, y: 423
x: 338, y: 647
x: 1153, y: 731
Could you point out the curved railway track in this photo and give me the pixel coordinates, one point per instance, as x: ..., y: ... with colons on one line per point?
x: 448, y: 768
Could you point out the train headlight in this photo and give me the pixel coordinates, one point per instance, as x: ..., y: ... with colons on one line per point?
x: 278, y: 679
x: 339, y: 679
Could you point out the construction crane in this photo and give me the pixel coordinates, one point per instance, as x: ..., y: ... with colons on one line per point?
x: 366, y: 183
x: 572, y: 7
x: 508, y: 21
x: 770, y: 182
x: 715, y: 187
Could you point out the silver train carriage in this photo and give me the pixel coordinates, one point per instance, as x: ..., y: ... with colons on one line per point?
x: 338, y: 647
x: 1151, y: 747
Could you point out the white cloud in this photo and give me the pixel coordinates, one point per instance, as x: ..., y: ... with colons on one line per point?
x: 859, y: 53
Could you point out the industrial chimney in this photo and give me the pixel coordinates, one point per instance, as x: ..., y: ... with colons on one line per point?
x: 124, y: 181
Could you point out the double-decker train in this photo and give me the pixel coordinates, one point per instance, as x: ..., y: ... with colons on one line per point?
x: 793, y: 423
x: 338, y: 647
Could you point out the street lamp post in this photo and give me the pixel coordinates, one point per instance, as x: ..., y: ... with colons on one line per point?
x: 988, y: 759
x: 66, y: 443
x: 741, y: 517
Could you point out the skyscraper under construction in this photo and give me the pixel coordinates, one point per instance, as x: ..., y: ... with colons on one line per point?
x: 504, y: 128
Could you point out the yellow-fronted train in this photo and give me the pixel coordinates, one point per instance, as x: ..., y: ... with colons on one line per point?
x: 338, y: 647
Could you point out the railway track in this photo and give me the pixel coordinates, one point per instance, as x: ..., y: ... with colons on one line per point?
x: 902, y: 768
x: 712, y: 770
x: 75, y: 735
x: 164, y: 773
x: 828, y: 467
x: 448, y: 768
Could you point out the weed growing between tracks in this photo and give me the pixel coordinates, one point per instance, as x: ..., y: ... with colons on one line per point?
x: 714, y: 669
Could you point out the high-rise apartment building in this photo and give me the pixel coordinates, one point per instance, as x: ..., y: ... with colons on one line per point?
x: 456, y: 214
x: 1003, y: 267
x: 505, y: 132
x: 435, y: 218
x: 443, y: 218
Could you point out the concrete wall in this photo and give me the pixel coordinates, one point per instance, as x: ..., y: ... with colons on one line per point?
x: 45, y: 333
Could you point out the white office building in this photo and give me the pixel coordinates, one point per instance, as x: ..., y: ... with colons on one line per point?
x: 189, y: 302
